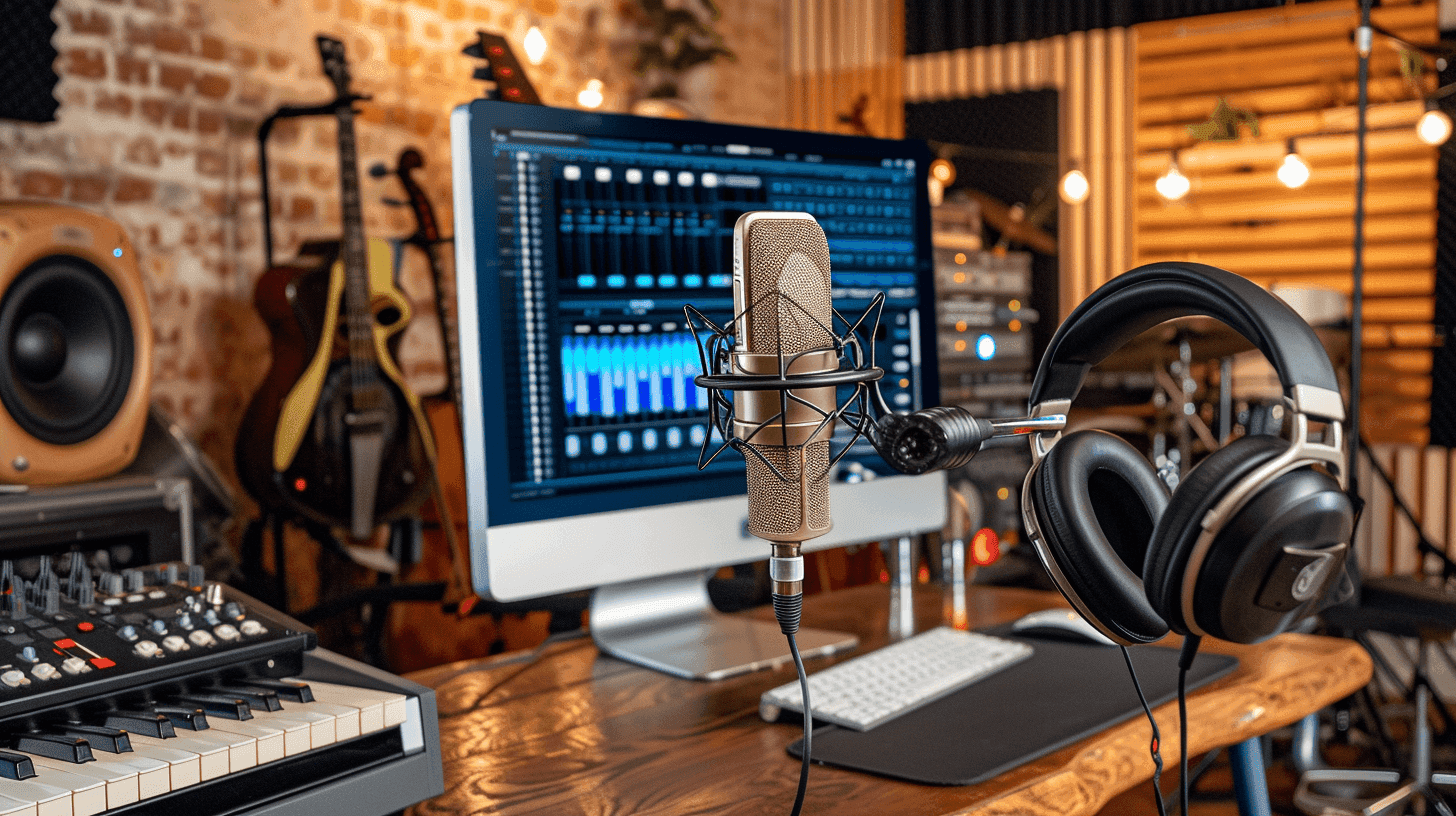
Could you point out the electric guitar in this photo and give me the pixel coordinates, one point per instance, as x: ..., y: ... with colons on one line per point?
x: 334, y: 433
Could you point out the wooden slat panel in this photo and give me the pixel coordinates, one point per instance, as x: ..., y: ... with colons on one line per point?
x: 1266, y: 101
x: 1275, y: 234
x: 1406, y: 474
x: 1280, y: 127
x: 1265, y: 26
x: 1380, y: 508
x: 1435, y: 482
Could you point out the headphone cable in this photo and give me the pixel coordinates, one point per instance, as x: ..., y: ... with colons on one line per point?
x: 1153, y: 747
x: 1185, y: 662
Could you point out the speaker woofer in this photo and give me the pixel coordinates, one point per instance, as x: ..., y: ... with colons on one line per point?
x: 66, y: 348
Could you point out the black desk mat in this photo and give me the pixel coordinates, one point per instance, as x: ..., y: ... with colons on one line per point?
x: 1064, y: 692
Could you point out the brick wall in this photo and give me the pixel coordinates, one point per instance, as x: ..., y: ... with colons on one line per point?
x: 160, y: 102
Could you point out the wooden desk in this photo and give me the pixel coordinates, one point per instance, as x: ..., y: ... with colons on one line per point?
x: 581, y: 733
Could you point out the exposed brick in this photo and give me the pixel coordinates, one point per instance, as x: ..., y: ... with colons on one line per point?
x: 214, y: 86
x: 323, y: 6
x: 132, y: 70
x: 41, y: 184
x: 432, y: 5
x: 212, y: 48
x: 214, y: 203
x: 175, y: 78
x: 252, y: 93
x: 94, y: 21
x: 322, y: 175
x: 154, y: 110
x: 372, y: 114
x: 351, y: 10
x: 176, y: 150
x: 180, y: 117
x: 211, y: 163
x: 277, y: 60
x: 379, y: 18
x: 302, y: 209
x: 171, y: 40
x: 119, y: 104
x: 481, y: 14
x: 405, y: 56
x: 193, y: 17
x: 143, y: 151
x: 133, y: 188
x: 155, y: 6
x: 454, y: 10
x: 210, y: 122
x: 245, y: 56
x: 433, y: 31
x: 242, y: 126
x: 85, y: 62
x: 286, y: 132
x: 424, y: 123
x: 138, y: 35
x: 545, y: 8
x: 287, y: 172
x: 88, y: 189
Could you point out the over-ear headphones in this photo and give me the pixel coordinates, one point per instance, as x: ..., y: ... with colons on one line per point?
x: 1251, y: 538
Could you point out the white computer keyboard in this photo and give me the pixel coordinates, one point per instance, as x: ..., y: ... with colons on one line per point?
x: 877, y: 687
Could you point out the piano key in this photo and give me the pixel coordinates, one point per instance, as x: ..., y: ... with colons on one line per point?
x: 219, y: 705
x: 391, y: 706
x: 256, y: 698
x: 154, y: 775
x: 346, y: 717
x: 294, y: 690
x: 57, y: 746
x: 100, y: 737
x: 87, y: 795
x: 184, y: 767
x: 213, y: 755
x: 271, y: 738
x: 16, y: 807
x: 48, y: 800
x: 145, y: 723
x: 186, y: 717
x: 15, y: 766
x: 122, y: 787
x: 297, y: 731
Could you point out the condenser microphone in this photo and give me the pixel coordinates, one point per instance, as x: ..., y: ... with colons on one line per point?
x: 783, y: 327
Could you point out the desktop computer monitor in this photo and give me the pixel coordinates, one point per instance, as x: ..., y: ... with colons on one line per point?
x: 579, y: 237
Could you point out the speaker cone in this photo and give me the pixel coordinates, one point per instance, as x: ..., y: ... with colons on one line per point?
x: 66, y: 350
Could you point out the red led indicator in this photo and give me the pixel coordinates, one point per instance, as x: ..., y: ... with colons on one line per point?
x: 102, y: 662
x: 504, y: 71
x: 300, y: 484
x: 65, y: 643
x: 985, y: 547
x: 513, y: 91
x: 496, y: 50
x: 85, y: 626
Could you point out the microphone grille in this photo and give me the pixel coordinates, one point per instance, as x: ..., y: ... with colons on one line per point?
x: 792, y: 510
x: 791, y: 257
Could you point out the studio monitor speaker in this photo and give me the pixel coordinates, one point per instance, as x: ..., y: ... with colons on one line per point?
x: 75, y: 346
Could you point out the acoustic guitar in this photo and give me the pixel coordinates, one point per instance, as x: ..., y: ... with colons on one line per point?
x: 334, y: 433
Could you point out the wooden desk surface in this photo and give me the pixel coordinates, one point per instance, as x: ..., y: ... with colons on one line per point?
x: 582, y: 733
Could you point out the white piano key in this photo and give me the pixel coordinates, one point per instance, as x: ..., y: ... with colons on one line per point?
x: 121, y: 781
x: 346, y: 717
x: 297, y: 731
x: 321, y: 723
x: 16, y: 807
x: 242, y: 747
x: 390, y: 707
x: 154, y: 776
x: 186, y: 766
x: 212, y: 754
x: 269, y: 738
x: 48, y: 800
x: 87, y: 794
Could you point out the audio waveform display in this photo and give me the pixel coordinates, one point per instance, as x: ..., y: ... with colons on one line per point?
x: 607, y: 377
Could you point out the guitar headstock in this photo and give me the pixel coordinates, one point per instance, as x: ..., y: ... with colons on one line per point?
x: 336, y: 65
x: 501, y: 69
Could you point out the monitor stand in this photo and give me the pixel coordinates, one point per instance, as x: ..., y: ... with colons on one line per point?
x: 668, y: 624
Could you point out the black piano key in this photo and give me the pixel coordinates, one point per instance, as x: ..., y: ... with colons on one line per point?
x: 259, y: 698
x: 56, y: 746
x: 146, y: 723
x: 290, y: 690
x: 183, y: 716
x: 219, y: 705
x: 101, y: 737
x: 16, y: 766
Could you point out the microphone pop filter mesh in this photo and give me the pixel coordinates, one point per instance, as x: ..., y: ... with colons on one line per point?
x: 790, y: 257
x: 776, y: 508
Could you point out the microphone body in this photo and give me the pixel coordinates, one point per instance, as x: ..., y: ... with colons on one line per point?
x: 783, y: 325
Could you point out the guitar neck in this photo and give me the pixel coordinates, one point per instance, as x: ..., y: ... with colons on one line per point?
x: 355, y: 257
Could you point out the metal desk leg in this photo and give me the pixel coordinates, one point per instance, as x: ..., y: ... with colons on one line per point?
x: 1251, y: 787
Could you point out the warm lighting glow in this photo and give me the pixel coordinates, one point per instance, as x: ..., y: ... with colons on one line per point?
x: 904, y: 383
x: 535, y: 45
x: 960, y: 325
x: 1075, y: 187
x: 1014, y: 325
x: 960, y: 277
x: 1434, y: 127
x: 943, y: 171
x: 591, y: 96
x: 1002, y: 493
x: 1014, y: 305
x: 1173, y: 185
x: 960, y: 258
x: 960, y: 345
x: 985, y: 548
x: 1293, y: 172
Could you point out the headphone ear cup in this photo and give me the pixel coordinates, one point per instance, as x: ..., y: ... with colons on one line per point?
x: 1177, y: 531
x: 1097, y: 501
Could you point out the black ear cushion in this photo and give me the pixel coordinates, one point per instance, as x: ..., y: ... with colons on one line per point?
x: 1177, y: 531
x: 1097, y: 501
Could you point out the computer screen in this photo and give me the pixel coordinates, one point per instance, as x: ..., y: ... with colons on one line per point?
x: 579, y: 238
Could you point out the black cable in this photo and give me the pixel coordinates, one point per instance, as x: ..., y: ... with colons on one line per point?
x: 808, y: 724
x: 1185, y: 662
x: 1157, y: 739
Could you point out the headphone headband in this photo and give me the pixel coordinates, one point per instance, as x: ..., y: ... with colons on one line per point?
x: 1131, y: 303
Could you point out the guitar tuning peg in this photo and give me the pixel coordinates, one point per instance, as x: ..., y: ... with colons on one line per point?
x: 477, y: 48
x: 483, y: 74
x: 394, y: 202
x: 378, y: 170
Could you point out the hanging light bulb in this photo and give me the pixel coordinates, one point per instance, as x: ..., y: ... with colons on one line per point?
x: 943, y: 171
x: 1434, y: 126
x: 591, y: 96
x: 1173, y: 185
x: 1075, y: 187
x: 535, y: 43
x: 1293, y: 172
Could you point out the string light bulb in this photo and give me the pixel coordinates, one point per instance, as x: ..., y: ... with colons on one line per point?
x: 1434, y: 126
x: 535, y: 44
x: 1173, y: 185
x: 591, y: 96
x: 1293, y: 171
x: 1074, y: 188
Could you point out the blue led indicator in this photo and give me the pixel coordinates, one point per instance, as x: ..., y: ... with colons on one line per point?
x: 985, y: 347
x: 586, y: 281
x: 643, y: 281
x: 116, y: 253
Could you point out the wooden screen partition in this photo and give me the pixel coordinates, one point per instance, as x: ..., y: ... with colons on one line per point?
x: 1424, y: 477
x: 1294, y: 67
x: 840, y: 51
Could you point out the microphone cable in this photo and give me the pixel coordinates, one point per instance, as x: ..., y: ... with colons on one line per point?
x: 788, y: 609
x: 1154, y: 746
x: 1185, y: 662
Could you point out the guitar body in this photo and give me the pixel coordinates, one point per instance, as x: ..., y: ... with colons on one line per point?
x: 293, y: 452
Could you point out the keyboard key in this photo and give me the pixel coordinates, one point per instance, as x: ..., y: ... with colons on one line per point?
x: 121, y: 781
x: 47, y: 799
x: 87, y: 794
x: 377, y: 709
x: 185, y: 766
x: 16, y: 807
